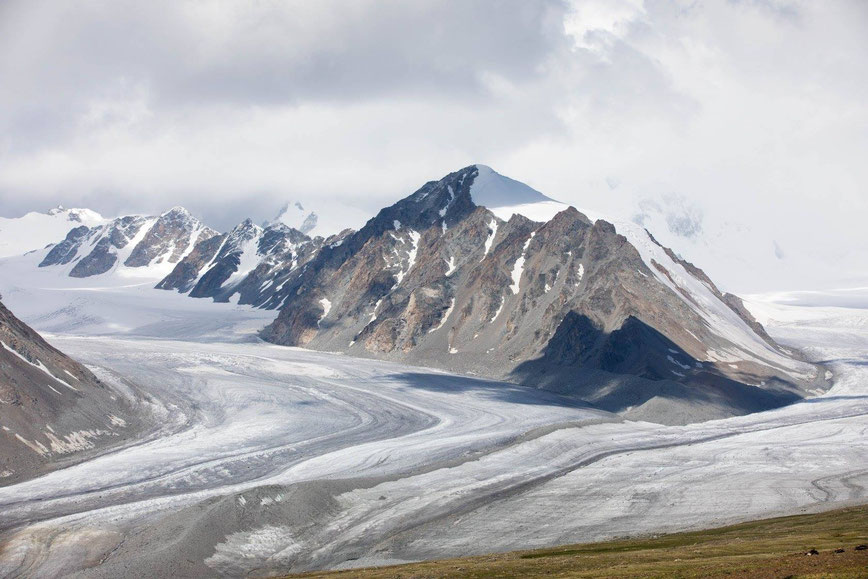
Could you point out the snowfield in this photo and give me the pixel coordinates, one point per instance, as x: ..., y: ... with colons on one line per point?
x: 33, y: 231
x: 273, y: 459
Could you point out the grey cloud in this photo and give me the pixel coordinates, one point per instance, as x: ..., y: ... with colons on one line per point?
x: 285, y: 51
x: 63, y: 57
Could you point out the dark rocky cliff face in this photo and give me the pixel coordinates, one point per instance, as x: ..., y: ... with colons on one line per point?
x: 568, y: 304
x: 186, y: 273
x: 67, y: 250
x: 249, y: 260
x: 103, y: 257
x: 52, y: 409
x: 227, y: 260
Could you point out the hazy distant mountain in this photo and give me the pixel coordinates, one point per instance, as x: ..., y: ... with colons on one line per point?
x: 294, y: 215
x: 323, y: 220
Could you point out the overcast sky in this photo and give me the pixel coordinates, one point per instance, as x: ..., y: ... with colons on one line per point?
x: 739, y: 113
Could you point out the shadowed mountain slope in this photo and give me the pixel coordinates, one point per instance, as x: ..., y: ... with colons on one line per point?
x: 52, y: 409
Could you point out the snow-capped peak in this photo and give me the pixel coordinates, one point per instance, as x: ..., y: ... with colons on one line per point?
x: 35, y: 230
x: 76, y: 214
x: 177, y: 210
x: 505, y: 197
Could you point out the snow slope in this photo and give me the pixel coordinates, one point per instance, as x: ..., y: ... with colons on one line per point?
x: 35, y: 230
x: 117, y: 305
x: 505, y: 197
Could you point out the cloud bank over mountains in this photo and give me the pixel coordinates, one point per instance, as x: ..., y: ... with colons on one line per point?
x: 748, y: 113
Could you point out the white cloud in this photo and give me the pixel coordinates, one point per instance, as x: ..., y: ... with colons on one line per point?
x: 594, y: 24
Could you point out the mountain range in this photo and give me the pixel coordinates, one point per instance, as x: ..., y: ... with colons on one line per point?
x: 480, y: 274
x: 127, y: 244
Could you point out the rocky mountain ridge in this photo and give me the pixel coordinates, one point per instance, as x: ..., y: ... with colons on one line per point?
x: 133, y: 242
x: 246, y: 262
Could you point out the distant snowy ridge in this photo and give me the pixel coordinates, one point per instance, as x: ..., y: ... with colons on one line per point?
x: 35, y: 230
x: 321, y: 221
x: 134, y: 246
x: 243, y: 265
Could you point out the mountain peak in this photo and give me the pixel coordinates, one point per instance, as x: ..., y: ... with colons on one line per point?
x: 177, y: 210
x: 246, y: 224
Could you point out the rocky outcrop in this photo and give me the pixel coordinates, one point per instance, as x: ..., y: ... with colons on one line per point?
x: 185, y: 275
x: 67, y: 250
x: 105, y: 241
x: 239, y: 244
x: 736, y: 304
x: 52, y: 409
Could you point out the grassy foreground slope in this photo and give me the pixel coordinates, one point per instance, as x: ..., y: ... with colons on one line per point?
x: 768, y: 548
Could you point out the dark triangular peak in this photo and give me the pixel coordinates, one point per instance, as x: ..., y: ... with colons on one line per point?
x: 563, y: 230
x: 443, y: 202
x: 439, y: 204
x: 67, y: 250
x: 638, y: 371
x: 570, y: 217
